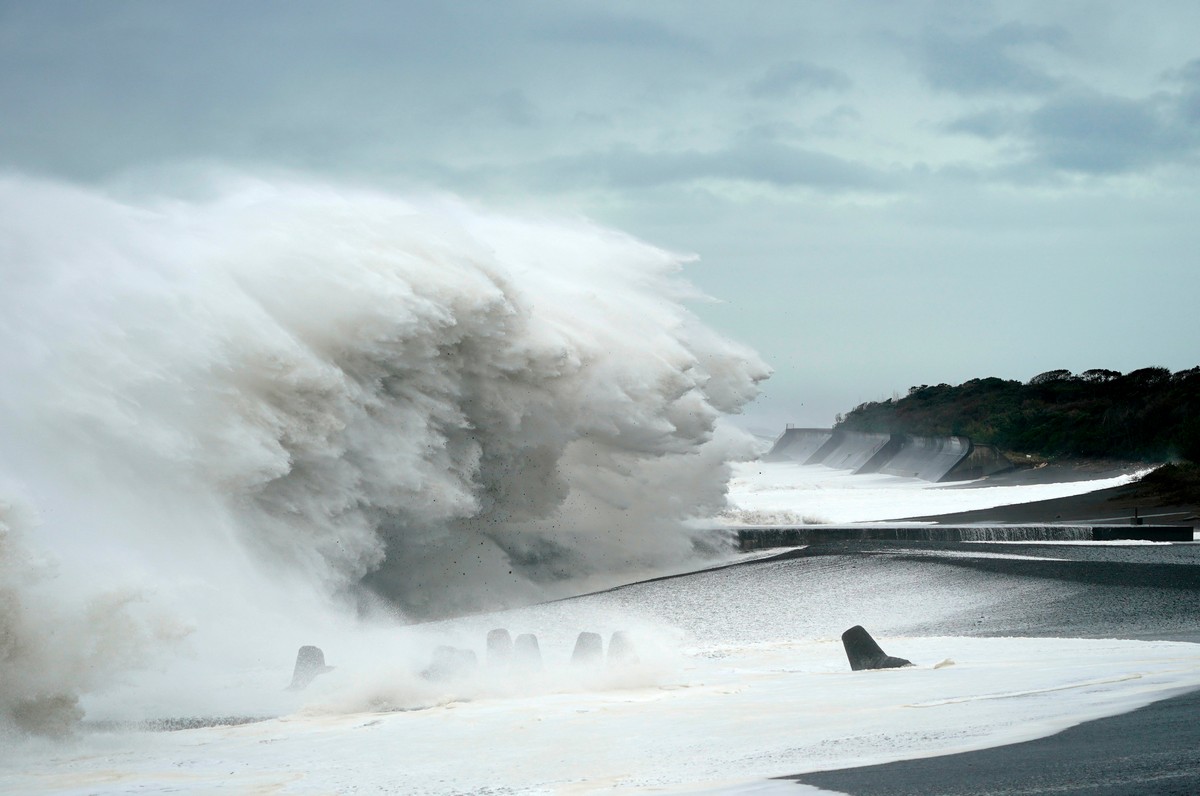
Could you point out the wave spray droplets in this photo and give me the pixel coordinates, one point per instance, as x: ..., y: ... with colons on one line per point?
x: 289, y: 397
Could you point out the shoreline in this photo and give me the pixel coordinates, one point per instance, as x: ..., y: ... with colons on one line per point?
x: 1154, y: 749
x: 1117, y: 505
x: 1150, y: 750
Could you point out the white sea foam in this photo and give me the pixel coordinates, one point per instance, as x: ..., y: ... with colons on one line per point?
x: 221, y: 417
x: 741, y: 677
x: 782, y: 493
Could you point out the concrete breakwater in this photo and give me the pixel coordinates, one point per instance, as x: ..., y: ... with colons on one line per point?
x: 953, y: 458
x: 764, y: 538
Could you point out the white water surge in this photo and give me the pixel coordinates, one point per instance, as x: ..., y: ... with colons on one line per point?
x: 289, y: 414
x: 741, y: 676
x: 787, y: 493
x: 230, y: 424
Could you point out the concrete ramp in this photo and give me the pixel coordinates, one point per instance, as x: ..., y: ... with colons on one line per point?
x: 851, y: 450
x: 982, y: 460
x: 763, y: 538
x: 799, y: 444
x: 927, y: 458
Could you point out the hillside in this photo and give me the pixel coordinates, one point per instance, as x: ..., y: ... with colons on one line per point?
x: 1149, y: 415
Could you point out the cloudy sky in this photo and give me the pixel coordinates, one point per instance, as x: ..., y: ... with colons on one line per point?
x: 882, y: 194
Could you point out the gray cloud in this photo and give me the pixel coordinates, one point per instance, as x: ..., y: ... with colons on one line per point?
x: 1096, y: 133
x: 991, y: 123
x: 988, y: 62
x: 1187, y: 101
x: 612, y: 30
x: 515, y: 108
x: 792, y: 76
x: 1103, y: 134
x: 837, y: 121
x: 756, y: 161
x: 88, y: 92
x: 629, y: 113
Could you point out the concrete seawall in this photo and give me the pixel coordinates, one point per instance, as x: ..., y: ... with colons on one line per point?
x: 799, y: 444
x: 928, y: 458
x: 764, y: 538
x: 854, y: 451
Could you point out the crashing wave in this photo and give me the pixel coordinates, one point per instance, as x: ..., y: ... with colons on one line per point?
x: 287, y: 395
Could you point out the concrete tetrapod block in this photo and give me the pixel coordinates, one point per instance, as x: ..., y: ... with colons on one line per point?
x: 864, y: 653
x: 620, y: 650
x: 310, y: 662
x: 450, y: 663
x: 499, y: 647
x: 527, y: 655
x: 589, y: 650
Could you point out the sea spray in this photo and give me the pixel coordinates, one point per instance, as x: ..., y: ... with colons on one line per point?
x: 234, y: 420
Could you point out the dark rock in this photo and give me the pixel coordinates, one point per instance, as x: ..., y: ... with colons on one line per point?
x: 310, y: 662
x: 450, y: 663
x: 527, y: 655
x: 589, y: 650
x: 864, y: 653
x: 499, y: 647
x: 53, y: 715
x: 620, y: 650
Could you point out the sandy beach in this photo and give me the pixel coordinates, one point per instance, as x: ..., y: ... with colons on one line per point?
x: 1135, y: 592
x: 1152, y: 750
x: 1118, y: 504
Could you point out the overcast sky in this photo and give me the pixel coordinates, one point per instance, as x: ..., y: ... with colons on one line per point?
x: 882, y: 194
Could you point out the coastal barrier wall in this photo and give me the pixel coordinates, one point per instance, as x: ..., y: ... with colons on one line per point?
x: 799, y: 444
x: 854, y: 450
x: 765, y: 538
x: 980, y: 461
x: 927, y: 458
x: 952, y: 458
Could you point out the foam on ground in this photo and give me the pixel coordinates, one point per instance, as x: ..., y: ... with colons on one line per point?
x: 786, y: 493
x: 742, y: 678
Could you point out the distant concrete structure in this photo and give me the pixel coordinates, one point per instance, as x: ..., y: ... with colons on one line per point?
x: 527, y: 655
x: 857, y: 451
x: 927, y: 458
x: 589, y: 650
x: 953, y: 458
x: 620, y: 650
x: 799, y: 444
x: 864, y: 653
x: 451, y: 663
x: 763, y: 538
x: 980, y: 461
x: 310, y: 662
x: 499, y: 647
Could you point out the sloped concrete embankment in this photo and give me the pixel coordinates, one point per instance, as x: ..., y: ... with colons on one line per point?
x: 764, y: 538
x: 951, y: 458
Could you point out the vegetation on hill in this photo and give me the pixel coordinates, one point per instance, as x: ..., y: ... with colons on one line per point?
x: 1148, y: 415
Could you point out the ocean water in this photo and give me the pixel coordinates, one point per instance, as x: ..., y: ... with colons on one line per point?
x: 740, y: 677
x: 270, y: 414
